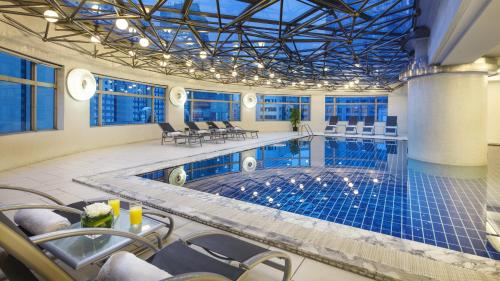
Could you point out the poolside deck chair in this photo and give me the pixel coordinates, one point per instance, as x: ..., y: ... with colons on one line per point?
x: 232, y: 133
x: 369, y: 126
x: 22, y: 260
x: 331, y: 128
x: 391, y: 126
x: 391, y: 146
x: 253, y: 133
x: 212, y: 135
x: 352, y: 126
x: 75, y: 217
x: 21, y: 256
x: 170, y: 134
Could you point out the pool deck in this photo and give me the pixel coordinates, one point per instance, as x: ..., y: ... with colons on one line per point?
x: 368, y: 253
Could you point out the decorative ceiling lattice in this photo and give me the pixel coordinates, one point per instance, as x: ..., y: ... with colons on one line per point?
x: 335, y: 44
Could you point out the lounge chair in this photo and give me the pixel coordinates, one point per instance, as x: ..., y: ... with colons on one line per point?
x: 331, y: 128
x: 212, y: 135
x: 391, y: 126
x: 22, y: 259
x: 352, y: 126
x: 233, y: 133
x: 253, y: 133
x: 170, y: 134
x: 369, y: 126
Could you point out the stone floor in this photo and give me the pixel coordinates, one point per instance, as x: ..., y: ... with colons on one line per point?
x: 55, y: 177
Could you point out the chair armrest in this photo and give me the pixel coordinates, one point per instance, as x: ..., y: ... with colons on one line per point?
x: 162, y: 215
x: 197, y: 276
x: 13, y: 207
x: 32, y: 191
x: 60, y: 234
x: 265, y: 258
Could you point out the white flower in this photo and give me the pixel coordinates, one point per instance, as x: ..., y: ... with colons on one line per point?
x: 97, y: 209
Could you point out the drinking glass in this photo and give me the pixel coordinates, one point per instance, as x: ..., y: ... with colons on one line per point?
x: 115, y: 205
x: 135, y: 213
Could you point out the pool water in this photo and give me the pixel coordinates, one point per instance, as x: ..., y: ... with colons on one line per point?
x: 368, y: 184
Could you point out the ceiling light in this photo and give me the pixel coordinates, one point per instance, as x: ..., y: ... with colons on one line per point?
x: 51, y: 16
x: 191, y: 70
x: 95, y: 39
x: 357, y: 65
x: 131, y: 29
x: 163, y: 63
x: 95, y: 7
x: 278, y: 80
x: 166, y: 56
x: 168, y: 30
x: 144, y: 42
x: 244, y: 80
x: 351, y: 84
x: 131, y: 53
x: 122, y: 24
x: 217, y: 75
x: 271, y: 75
x: 236, y: 45
x: 261, y: 44
x: 375, y: 180
x: 189, y: 63
x: 256, y: 77
x: 346, y: 179
x: 212, y: 69
x: 268, y: 82
x: 234, y: 73
x: 203, y: 55
x: 259, y: 65
x: 325, y: 82
x: 294, y: 84
x: 356, y: 81
x: 319, y: 85
x: 302, y: 82
x: 346, y: 86
x: 325, y: 68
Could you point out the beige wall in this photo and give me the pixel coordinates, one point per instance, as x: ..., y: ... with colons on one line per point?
x: 494, y: 112
x: 76, y: 135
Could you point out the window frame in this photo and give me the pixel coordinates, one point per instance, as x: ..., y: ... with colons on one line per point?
x: 33, y: 83
x: 335, y: 104
x: 191, y: 102
x: 300, y: 103
x: 100, y: 92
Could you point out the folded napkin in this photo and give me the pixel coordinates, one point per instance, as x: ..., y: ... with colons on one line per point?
x: 40, y: 221
x: 124, y: 266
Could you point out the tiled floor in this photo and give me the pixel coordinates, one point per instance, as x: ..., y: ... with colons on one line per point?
x: 55, y: 177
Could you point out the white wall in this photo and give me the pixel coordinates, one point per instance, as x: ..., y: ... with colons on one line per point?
x: 398, y: 106
x: 493, y: 112
x: 76, y: 135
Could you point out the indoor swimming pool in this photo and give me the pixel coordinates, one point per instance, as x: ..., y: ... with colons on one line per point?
x: 363, y: 183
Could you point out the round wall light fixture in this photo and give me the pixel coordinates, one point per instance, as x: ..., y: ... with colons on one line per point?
x: 178, y: 96
x: 177, y: 176
x: 81, y: 84
x: 249, y: 164
x: 250, y: 100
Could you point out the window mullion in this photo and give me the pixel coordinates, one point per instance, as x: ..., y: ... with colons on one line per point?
x: 153, y: 111
x: 33, y: 98
x: 99, y: 104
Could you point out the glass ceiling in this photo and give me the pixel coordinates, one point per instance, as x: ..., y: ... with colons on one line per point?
x: 351, y: 44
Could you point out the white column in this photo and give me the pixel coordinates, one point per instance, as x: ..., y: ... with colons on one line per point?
x: 447, y: 118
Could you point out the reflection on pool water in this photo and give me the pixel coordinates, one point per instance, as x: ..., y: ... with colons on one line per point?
x: 363, y: 183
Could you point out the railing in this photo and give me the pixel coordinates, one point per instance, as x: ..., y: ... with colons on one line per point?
x: 307, y: 128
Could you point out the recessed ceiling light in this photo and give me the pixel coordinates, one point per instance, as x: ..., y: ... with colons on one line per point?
x: 121, y: 24
x: 294, y: 84
x: 325, y: 68
x: 203, y: 55
x: 256, y: 77
x: 325, y: 82
x: 268, y: 82
x: 217, y: 75
x: 95, y: 7
x: 271, y: 75
x: 234, y: 73
x: 144, y: 42
x: 351, y: 84
x: 278, y: 80
x: 261, y: 44
x: 131, y: 29
x: 191, y: 70
x: 212, y: 69
x: 302, y: 82
x: 51, y: 16
x: 259, y: 65
x: 319, y: 85
x: 166, y: 56
x: 244, y: 80
x: 163, y: 63
x: 189, y: 63
x: 131, y: 53
x: 356, y: 81
x: 168, y: 30
x: 357, y: 65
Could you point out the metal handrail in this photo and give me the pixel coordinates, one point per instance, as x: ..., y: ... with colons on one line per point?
x: 307, y: 128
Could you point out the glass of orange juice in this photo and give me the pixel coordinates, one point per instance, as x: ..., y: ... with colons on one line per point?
x: 135, y: 213
x: 115, y: 205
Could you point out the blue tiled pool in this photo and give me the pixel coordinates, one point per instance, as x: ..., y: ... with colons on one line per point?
x: 363, y: 183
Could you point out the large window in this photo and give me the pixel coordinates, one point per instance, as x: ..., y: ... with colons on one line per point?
x: 204, y: 106
x: 343, y: 107
x: 27, y: 95
x: 278, y: 108
x: 120, y: 102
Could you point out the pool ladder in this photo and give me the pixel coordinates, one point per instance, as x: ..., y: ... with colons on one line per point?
x: 307, y: 128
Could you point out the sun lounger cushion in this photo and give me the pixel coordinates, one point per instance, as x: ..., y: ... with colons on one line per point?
x: 40, y: 221
x: 220, y: 130
x: 124, y: 266
x: 203, y: 131
x: 173, y: 134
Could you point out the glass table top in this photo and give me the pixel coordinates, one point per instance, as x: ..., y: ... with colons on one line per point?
x: 81, y: 251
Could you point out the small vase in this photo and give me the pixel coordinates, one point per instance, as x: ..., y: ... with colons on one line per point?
x: 105, y: 221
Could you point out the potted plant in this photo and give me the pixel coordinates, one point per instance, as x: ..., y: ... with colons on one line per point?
x: 295, y: 118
